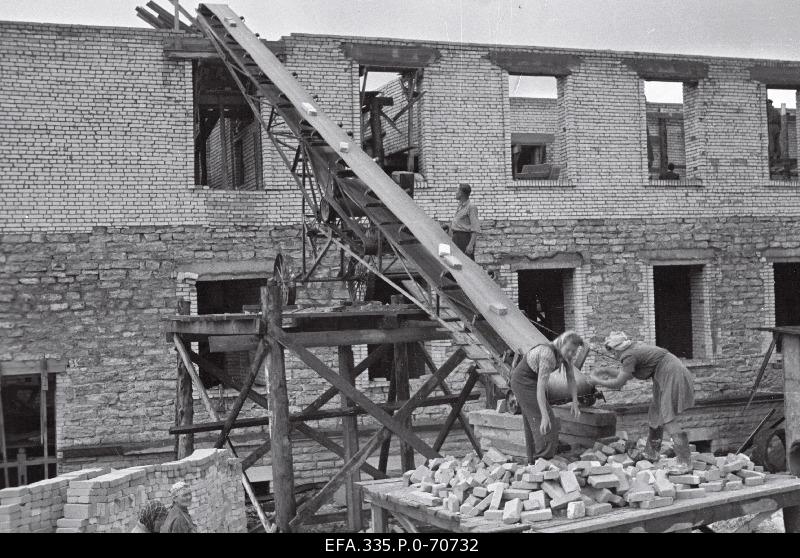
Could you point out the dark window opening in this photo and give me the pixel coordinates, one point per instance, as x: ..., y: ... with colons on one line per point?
x: 787, y: 295
x: 223, y: 122
x: 534, y: 105
x: 379, y: 290
x: 782, y: 133
x: 678, y: 319
x: 23, y: 434
x: 666, y: 143
x: 541, y: 296
x: 702, y: 446
x: 228, y: 297
x: 391, y: 118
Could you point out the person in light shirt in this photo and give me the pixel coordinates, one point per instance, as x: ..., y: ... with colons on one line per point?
x: 465, y: 226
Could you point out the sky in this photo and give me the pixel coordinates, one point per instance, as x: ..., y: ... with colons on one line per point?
x: 740, y: 28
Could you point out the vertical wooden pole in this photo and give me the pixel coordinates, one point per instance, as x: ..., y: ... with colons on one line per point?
x: 402, y: 363
x: 3, y: 436
x: 184, y: 404
x: 662, y: 145
x: 350, y: 437
x: 380, y: 519
x: 383, y: 459
x: 282, y: 464
x: 22, y: 467
x: 43, y: 387
x: 223, y: 144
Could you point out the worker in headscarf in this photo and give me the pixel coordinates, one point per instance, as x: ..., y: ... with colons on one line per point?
x: 151, y: 517
x: 673, y: 391
x: 178, y: 519
x: 529, y: 384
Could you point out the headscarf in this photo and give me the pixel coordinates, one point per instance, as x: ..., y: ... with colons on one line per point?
x: 177, y: 488
x: 150, y: 513
x: 617, y: 341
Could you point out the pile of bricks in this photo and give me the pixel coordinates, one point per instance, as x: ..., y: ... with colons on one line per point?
x: 35, y: 507
x: 599, y: 480
x: 111, y: 502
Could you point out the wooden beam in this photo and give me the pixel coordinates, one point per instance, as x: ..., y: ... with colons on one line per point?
x: 391, y: 397
x: 257, y: 454
x: 225, y: 379
x: 373, y: 409
x: 350, y: 439
x: 661, y: 69
x: 534, y: 64
x: 223, y: 142
x: 255, y: 367
x: 184, y: 404
x: 305, y: 416
x: 402, y: 361
x: 785, y: 75
x: 201, y: 48
x: 326, y: 442
x: 455, y: 413
x: 340, y: 338
x: 390, y: 57
x: 282, y: 462
x: 149, y: 18
x: 200, y: 329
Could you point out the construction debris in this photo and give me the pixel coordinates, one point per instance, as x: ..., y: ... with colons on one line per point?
x: 602, y: 478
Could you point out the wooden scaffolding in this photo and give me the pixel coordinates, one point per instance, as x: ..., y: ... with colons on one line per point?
x: 275, y: 330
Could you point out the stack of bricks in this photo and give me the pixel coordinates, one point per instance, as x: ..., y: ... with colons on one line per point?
x: 111, y: 502
x: 35, y: 508
x: 592, y: 484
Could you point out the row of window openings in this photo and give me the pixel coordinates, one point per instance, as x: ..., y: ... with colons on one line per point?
x: 546, y: 296
x: 678, y: 300
x: 666, y: 145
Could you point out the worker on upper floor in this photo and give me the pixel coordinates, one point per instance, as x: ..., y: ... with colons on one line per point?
x: 529, y: 383
x: 673, y: 391
x: 465, y: 226
x: 671, y: 174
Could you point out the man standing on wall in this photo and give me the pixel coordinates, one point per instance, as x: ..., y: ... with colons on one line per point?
x: 465, y: 225
x: 774, y: 129
x: 178, y: 519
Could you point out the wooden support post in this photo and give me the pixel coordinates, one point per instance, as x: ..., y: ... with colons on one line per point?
x: 248, y: 488
x: 455, y: 411
x: 184, y: 404
x: 255, y: 368
x: 391, y: 397
x: 282, y: 463
x: 43, y: 387
x: 380, y: 519
x: 401, y: 366
x: 350, y: 437
x: 3, y: 448
x: 22, y: 467
x: 223, y: 143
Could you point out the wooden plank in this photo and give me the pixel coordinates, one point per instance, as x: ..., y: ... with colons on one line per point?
x: 390, y: 57
x: 367, y: 336
x: 761, y: 370
x: 401, y: 373
x: 350, y: 439
x: 32, y: 367
x: 362, y: 400
x: 223, y: 141
x: 665, y: 69
x: 305, y: 416
x: 205, y: 328
x: 282, y: 462
x: 379, y: 519
x: 391, y: 397
x: 233, y: 343
x: 517, y: 62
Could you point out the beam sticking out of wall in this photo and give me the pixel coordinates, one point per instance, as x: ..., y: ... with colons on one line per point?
x: 534, y: 64
x: 390, y: 58
x: 658, y: 69
x: 785, y: 76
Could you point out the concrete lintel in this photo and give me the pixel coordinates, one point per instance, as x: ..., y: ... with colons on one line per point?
x: 385, y: 57
x: 677, y: 256
x: 784, y: 76
x: 779, y: 255
x: 560, y: 260
x: 667, y: 70
x: 534, y: 64
x: 225, y: 271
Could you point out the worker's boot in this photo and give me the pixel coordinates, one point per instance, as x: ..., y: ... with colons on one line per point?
x: 683, y: 456
x: 652, y: 450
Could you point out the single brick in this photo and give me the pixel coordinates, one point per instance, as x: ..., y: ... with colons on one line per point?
x: 536, y: 515
x: 593, y: 510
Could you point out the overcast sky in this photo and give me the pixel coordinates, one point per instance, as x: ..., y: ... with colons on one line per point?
x: 743, y: 28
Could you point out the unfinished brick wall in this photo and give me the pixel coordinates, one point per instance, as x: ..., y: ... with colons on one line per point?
x: 36, y: 507
x: 111, y: 503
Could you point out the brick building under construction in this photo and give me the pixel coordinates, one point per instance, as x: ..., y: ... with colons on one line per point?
x: 134, y: 176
